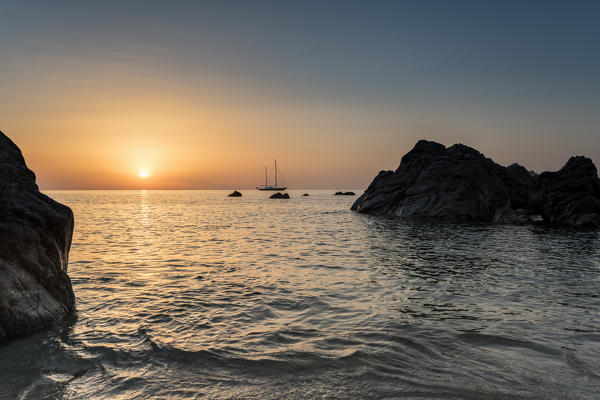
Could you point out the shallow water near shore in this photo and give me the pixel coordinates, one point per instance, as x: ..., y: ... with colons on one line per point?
x: 191, y: 294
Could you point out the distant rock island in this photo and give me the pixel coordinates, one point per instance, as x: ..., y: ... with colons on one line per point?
x: 345, y: 194
x: 35, y: 238
x: 459, y: 182
x: 235, y: 193
x: 279, y: 195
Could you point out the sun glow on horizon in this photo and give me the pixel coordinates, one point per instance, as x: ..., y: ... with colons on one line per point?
x: 143, y: 173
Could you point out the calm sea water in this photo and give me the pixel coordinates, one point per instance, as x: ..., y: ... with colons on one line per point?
x: 190, y: 294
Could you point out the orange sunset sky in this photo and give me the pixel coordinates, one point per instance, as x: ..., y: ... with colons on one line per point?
x: 204, y: 95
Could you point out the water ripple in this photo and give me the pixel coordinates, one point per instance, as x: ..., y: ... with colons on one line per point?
x: 192, y: 294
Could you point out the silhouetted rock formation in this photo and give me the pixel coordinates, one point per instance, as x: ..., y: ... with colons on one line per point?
x: 235, y: 193
x: 279, y: 195
x: 570, y: 196
x: 35, y: 237
x: 306, y: 194
x: 458, y: 182
x: 345, y: 194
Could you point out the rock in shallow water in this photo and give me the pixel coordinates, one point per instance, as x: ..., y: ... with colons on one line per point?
x: 458, y: 182
x: 35, y: 238
x: 235, y: 193
x: 279, y: 195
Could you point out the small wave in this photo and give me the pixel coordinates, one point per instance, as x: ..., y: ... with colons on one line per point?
x: 105, y: 279
x: 495, y: 340
x: 405, y: 342
x: 580, y: 366
x: 160, y: 318
x: 46, y: 387
x: 135, y: 283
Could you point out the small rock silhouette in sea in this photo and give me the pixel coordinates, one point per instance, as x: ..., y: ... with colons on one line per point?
x: 279, y: 195
x: 235, y: 193
x: 345, y: 194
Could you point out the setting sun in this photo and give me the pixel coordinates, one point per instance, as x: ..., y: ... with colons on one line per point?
x: 143, y: 174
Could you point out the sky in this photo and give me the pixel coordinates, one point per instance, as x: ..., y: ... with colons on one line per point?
x: 204, y: 94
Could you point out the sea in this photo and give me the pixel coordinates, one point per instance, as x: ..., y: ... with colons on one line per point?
x: 196, y: 295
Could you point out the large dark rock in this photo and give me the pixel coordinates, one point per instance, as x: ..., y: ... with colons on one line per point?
x: 570, y: 196
x: 433, y: 181
x: 235, y: 193
x: 279, y: 195
x: 459, y: 182
x: 35, y: 237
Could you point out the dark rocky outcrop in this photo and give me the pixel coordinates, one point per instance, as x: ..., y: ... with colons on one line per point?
x: 345, y: 194
x: 459, y: 182
x: 35, y: 237
x: 305, y: 194
x: 235, y: 193
x: 280, y: 195
x: 570, y: 196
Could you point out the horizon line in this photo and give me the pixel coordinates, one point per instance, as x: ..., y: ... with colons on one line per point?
x: 76, y: 189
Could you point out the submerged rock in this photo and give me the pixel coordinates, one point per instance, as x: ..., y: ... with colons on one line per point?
x: 345, y: 194
x: 279, y: 195
x: 459, y: 182
x: 235, y: 193
x: 35, y: 238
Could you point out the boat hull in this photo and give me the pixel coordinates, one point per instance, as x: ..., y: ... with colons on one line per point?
x: 270, y: 188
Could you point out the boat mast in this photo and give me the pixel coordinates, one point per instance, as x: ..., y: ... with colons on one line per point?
x: 275, y: 173
x: 266, y: 179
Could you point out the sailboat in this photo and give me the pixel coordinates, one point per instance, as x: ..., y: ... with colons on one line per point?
x: 266, y: 186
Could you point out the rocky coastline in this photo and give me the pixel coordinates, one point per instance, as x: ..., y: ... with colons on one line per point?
x: 35, y: 238
x: 458, y: 182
